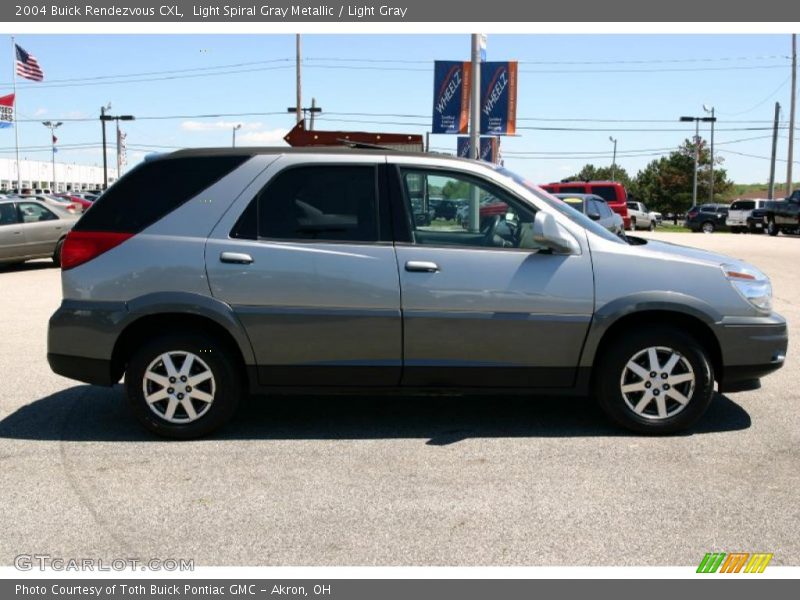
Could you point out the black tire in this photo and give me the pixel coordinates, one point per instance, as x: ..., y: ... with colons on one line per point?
x: 772, y: 228
x: 57, y: 253
x: 611, y: 369
x: 708, y: 227
x: 226, y: 379
x: 652, y: 226
x: 633, y: 223
x: 736, y: 230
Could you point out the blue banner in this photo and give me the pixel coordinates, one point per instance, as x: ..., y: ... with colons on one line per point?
x: 499, y: 98
x: 451, y: 87
x: 490, y: 148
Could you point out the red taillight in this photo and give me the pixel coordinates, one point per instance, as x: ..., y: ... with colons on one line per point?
x: 82, y: 246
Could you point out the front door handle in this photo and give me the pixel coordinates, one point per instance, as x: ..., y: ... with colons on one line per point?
x: 236, y: 258
x: 421, y: 266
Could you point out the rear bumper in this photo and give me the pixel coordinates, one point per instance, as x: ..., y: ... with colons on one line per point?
x: 81, y: 337
x: 95, y: 371
x: 751, y: 349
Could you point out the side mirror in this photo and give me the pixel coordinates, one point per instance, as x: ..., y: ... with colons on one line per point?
x: 593, y: 216
x: 546, y: 231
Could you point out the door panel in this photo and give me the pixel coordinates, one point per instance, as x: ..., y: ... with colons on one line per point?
x: 483, y: 304
x: 43, y: 228
x: 318, y: 312
x: 494, y: 318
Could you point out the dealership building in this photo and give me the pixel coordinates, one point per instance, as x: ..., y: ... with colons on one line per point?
x: 38, y: 174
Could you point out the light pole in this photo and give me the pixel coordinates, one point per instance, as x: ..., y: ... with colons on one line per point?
x: 235, y: 128
x: 696, y: 148
x: 106, y: 117
x: 711, y: 174
x: 52, y: 127
x: 614, y: 160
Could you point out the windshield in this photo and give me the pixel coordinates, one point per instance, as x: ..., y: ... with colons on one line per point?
x: 561, y: 206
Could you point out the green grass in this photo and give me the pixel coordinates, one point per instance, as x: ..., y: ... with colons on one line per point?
x: 667, y: 226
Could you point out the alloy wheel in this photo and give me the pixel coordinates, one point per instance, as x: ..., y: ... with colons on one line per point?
x: 179, y: 387
x: 657, y: 383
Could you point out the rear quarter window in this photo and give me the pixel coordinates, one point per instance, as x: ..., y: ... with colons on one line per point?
x: 606, y: 192
x: 743, y: 205
x: 153, y: 190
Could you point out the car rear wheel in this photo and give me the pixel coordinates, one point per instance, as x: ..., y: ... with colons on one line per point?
x: 652, y: 226
x: 707, y: 227
x: 658, y: 381
x: 772, y: 228
x: 57, y: 253
x: 183, y: 385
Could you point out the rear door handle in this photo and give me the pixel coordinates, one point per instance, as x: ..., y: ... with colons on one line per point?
x: 236, y: 258
x: 421, y: 266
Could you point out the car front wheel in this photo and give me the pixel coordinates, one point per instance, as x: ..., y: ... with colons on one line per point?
x: 708, y: 227
x: 656, y: 382
x: 183, y: 385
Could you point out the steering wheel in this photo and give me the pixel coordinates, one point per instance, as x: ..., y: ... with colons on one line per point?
x: 491, y: 230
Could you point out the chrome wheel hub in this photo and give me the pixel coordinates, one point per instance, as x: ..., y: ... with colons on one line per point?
x: 657, y: 383
x: 179, y: 387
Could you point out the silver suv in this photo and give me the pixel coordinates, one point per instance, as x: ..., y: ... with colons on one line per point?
x: 246, y: 270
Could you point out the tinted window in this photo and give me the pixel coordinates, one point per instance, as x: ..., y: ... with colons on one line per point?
x: 154, y: 189
x: 8, y: 214
x: 633, y: 206
x: 571, y: 189
x: 708, y: 209
x: 605, y: 210
x: 606, y: 192
x: 743, y: 205
x: 314, y: 203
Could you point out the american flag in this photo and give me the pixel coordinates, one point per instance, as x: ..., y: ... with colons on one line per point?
x: 27, y: 65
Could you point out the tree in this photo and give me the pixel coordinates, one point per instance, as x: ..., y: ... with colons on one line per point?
x: 665, y: 184
x: 591, y: 173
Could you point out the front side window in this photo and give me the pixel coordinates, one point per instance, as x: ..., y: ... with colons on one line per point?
x: 326, y: 203
x: 35, y: 213
x: 451, y: 209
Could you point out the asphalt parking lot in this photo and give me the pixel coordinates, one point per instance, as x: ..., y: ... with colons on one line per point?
x: 400, y: 481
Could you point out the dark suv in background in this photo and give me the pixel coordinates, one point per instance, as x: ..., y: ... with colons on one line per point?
x: 707, y: 218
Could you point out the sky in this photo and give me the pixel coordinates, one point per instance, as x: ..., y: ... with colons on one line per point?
x: 631, y: 87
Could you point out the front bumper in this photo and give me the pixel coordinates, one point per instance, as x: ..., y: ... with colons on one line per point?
x: 751, y: 349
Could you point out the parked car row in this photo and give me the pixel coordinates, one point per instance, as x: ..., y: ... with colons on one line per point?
x: 752, y: 215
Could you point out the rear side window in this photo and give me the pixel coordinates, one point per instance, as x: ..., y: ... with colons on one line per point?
x: 571, y: 189
x: 8, y: 214
x: 606, y: 192
x: 743, y: 205
x: 333, y: 203
x: 153, y: 190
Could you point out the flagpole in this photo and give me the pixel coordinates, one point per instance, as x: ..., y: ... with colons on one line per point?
x: 14, y: 112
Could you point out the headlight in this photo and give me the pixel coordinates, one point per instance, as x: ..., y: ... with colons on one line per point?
x: 752, y: 284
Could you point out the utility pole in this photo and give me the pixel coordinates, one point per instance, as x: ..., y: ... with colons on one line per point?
x: 313, y: 110
x: 299, y: 103
x: 235, y: 128
x: 475, y: 127
x: 790, y: 157
x: 103, y: 120
x: 771, y: 192
x: 711, y: 173
x: 696, y: 148
x: 614, y: 160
